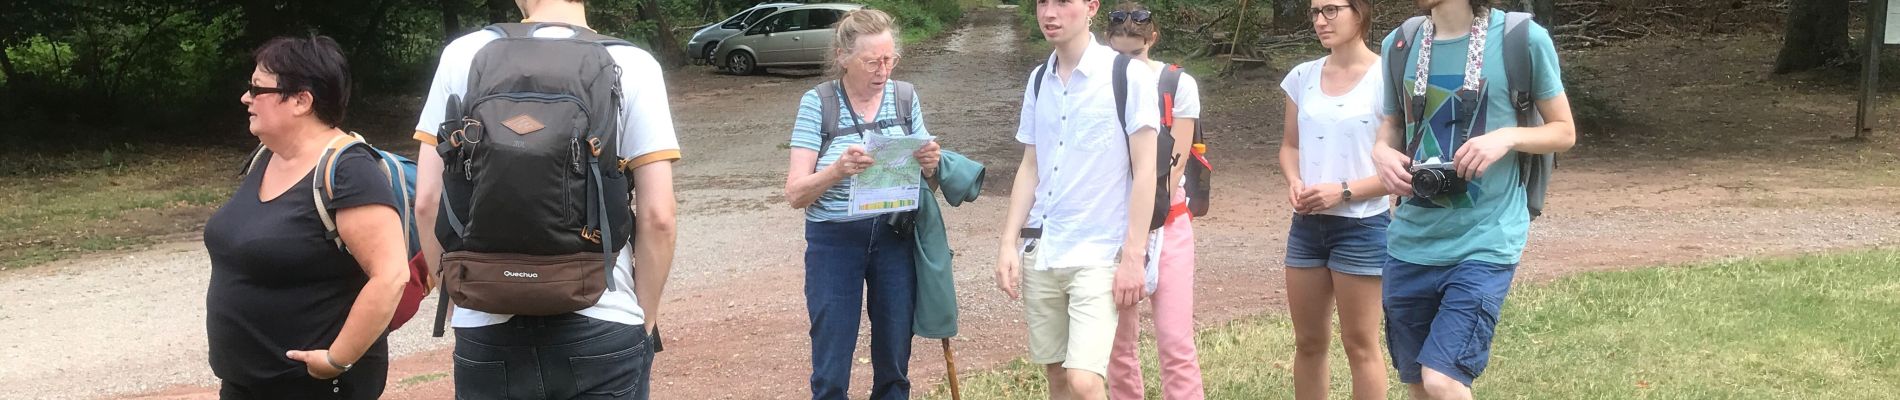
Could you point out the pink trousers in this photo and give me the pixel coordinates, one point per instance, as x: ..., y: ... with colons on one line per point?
x: 1173, y: 303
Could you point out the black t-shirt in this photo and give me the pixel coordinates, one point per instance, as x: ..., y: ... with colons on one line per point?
x: 277, y: 283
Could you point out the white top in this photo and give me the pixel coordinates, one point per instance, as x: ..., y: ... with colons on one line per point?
x: 1337, y: 133
x: 1082, y: 157
x: 646, y: 137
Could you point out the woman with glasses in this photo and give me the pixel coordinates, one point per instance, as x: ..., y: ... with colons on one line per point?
x: 1132, y: 30
x: 1336, y: 245
x: 853, y: 257
x: 289, y: 314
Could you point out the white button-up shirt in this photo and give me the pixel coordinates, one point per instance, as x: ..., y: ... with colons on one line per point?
x: 1082, y: 161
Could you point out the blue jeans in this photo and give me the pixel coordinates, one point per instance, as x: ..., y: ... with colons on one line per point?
x: 1353, y: 246
x: 847, y: 263
x: 567, y: 356
x: 1443, y: 317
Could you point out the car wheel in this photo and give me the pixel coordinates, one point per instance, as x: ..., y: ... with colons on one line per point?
x: 742, y: 63
x: 710, y: 48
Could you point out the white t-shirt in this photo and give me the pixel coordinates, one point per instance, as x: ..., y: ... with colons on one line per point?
x: 1337, y: 133
x: 1082, y: 165
x: 646, y: 136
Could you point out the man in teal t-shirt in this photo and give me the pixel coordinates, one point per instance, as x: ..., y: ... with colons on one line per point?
x: 1452, y: 256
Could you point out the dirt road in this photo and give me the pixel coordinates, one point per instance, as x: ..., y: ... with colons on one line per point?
x: 131, y: 324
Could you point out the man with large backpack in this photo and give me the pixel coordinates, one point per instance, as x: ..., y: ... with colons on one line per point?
x: 1462, y: 144
x: 1084, y: 199
x: 536, y: 138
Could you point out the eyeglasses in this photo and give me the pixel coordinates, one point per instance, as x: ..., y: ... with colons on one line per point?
x: 1141, y: 17
x: 1329, y: 11
x: 256, y: 90
x: 880, y: 64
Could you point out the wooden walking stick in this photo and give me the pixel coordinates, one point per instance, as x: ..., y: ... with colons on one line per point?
x: 950, y: 360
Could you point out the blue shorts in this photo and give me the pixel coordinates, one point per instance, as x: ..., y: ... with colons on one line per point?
x: 1443, y: 317
x: 1354, y: 246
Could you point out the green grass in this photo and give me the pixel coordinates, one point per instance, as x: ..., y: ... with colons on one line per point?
x: 53, y: 207
x: 1811, y: 327
x: 421, y: 379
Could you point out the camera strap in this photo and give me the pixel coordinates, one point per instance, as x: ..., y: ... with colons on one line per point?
x: 1467, y: 94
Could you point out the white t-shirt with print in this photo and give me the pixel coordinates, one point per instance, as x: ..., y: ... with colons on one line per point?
x: 647, y: 136
x: 1337, y: 133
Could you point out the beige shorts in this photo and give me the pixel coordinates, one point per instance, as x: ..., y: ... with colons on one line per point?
x: 1071, y: 315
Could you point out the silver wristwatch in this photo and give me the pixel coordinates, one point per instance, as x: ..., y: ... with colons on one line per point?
x: 1345, y: 192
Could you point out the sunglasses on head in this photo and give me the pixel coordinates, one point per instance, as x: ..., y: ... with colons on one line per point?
x: 1139, y: 16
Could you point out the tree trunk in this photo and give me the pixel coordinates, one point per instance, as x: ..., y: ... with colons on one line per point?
x: 1816, y: 36
x: 451, y: 18
x: 664, y: 44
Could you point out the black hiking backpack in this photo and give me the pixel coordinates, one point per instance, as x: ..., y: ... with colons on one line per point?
x: 1533, y: 169
x: 535, y: 201
x: 1164, y: 139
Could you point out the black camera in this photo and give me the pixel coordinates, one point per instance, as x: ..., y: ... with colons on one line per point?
x: 1435, y: 178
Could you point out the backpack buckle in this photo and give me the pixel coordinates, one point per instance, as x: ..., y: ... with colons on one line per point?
x: 593, y: 146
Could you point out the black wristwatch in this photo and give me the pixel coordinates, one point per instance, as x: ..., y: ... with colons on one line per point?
x: 1345, y: 192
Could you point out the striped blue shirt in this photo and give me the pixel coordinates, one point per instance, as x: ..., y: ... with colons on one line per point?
x: 832, y: 206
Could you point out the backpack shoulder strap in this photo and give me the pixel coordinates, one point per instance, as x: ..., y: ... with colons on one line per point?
x: 1517, y: 62
x: 906, y: 94
x: 512, y: 30
x: 256, y: 155
x: 1035, y: 86
x: 827, y: 114
x: 1396, y: 55
x: 1395, y: 72
x: 1170, y: 85
x: 323, y: 182
x: 1120, y: 80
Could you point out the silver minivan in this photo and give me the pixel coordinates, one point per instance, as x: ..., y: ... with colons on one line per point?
x: 793, y: 36
x: 700, y: 47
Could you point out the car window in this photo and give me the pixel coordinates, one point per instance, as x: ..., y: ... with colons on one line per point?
x: 792, y: 21
x: 764, y: 25
x: 735, y: 21
x: 758, y: 15
x: 823, y: 19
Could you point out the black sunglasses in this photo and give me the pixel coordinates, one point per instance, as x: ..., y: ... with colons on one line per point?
x: 256, y: 90
x: 1139, y: 16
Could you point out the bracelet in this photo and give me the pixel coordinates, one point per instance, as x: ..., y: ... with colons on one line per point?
x: 333, y: 364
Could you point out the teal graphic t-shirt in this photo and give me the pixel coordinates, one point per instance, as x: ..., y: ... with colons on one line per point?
x: 1489, y: 222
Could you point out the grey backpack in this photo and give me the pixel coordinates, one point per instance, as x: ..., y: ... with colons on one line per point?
x: 829, y: 112
x: 535, y: 199
x: 1534, y: 170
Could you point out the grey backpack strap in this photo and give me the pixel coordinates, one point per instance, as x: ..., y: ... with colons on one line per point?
x: 513, y: 30
x: 906, y: 94
x: 1406, y: 37
x: 1534, y: 170
x: 827, y: 115
x: 256, y: 155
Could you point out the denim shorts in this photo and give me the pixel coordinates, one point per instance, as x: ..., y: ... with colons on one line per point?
x: 1443, y: 317
x: 1353, y: 246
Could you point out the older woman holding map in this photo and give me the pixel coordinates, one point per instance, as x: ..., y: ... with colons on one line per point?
x: 858, y: 207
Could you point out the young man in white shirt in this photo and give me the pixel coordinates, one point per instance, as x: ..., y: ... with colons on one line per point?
x: 1076, y: 236
x: 605, y: 348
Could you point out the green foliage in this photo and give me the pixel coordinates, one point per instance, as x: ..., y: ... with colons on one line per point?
x: 919, y: 18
